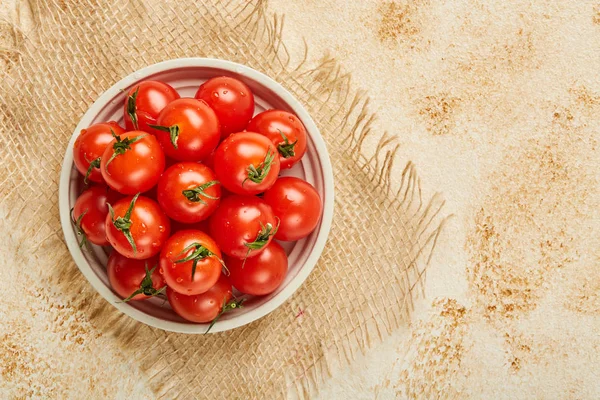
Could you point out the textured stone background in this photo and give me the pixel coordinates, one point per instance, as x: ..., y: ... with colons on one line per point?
x: 498, y: 105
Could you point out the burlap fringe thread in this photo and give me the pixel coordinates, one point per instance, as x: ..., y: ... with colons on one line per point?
x: 328, y: 92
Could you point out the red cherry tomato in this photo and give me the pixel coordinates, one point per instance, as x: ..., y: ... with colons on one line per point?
x: 90, y: 146
x: 137, y: 227
x: 246, y: 163
x: 259, y: 275
x: 144, y: 102
x: 187, y: 129
x: 242, y: 226
x: 203, y: 307
x: 134, y: 279
x: 232, y: 101
x: 133, y: 162
x: 90, y: 211
x: 177, y: 226
x: 191, y: 262
x: 210, y: 160
x: 297, y: 205
x: 189, y: 192
x: 285, y: 131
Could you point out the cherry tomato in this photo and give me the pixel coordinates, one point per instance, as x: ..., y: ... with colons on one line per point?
x: 210, y: 160
x: 133, y: 162
x: 203, y: 307
x: 134, y: 279
x: 90, y: 211
x: 259, y: 275
x: 242, y: 226
x: 90, y: 146
x: 189, y: 192
x: 297, y: 205
x: 177, y: 226
x: 137, y: 227
x: 285, y: 131
x: 246, y: 163
x: 190, y: 262
x: 144, y: 102
x: 232, y: 101
x: 187, y: 129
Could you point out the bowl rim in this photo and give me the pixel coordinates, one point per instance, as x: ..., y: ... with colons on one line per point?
x: 328, y: 197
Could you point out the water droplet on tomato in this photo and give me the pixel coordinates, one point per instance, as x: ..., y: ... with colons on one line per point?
x: 155, y: 244
x: 141, y: 251
x: 179, y: 280
x: 225, y: 91
x: 161, y: 228
x: 161, y: 271
x: 215, y: 94
x: 242, y: 94
x: 291, y: 119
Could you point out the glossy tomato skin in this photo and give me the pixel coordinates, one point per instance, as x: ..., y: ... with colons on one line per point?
x: 138, y: 169
x: 179, y: 275
x: 150, y: 228
x: 125, y: 275
x: 93, y: 202
x: 90, y: 145
x: 199, y: 129
x: 152, y: 97
x: 239, y: 152
x: 275, y: 124
x: 182, y: 179
x: 203, y: 307
x: 297, y: 205
x: 259, y: 275
x: 232, y: 101
x: 237, y: 222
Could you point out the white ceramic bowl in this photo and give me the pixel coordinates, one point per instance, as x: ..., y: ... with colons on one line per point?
x: 186, y: 75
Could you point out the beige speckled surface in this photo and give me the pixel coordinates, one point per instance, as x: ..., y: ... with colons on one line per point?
x: 497, y: 104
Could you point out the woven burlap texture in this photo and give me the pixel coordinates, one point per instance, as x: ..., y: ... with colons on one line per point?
x: 383, y: 231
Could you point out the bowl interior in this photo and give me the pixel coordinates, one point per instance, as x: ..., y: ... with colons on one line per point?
x: 186, y: 75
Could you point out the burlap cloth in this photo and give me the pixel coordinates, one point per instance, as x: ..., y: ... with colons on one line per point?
x: 60, y: 339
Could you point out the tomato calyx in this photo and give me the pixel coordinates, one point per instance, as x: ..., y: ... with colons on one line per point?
x: 286, y: 149
x: 146, y: 286
x: 77, y: 223
x: 195, y: 193
x: 93, y: 164
x: 123, y: 224
x: 131, y: 108
x: 200, y: 253
x: 262, y: 238
x: 122, y: 145
x: 232, y: 305
x: 173, y: 132
x: 257, y: 173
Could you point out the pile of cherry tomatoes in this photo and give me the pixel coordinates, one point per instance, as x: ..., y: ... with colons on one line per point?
x: 189, y: 196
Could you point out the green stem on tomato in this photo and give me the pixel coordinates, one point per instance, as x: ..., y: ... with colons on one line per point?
x: 195, y: 194
x: 258, y: 173
x: 146, y: 286
x: 232, y: 305
x: 131, y: 108
x: 173, y: 132
x: 286, y: 149
x: 123, y: 224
